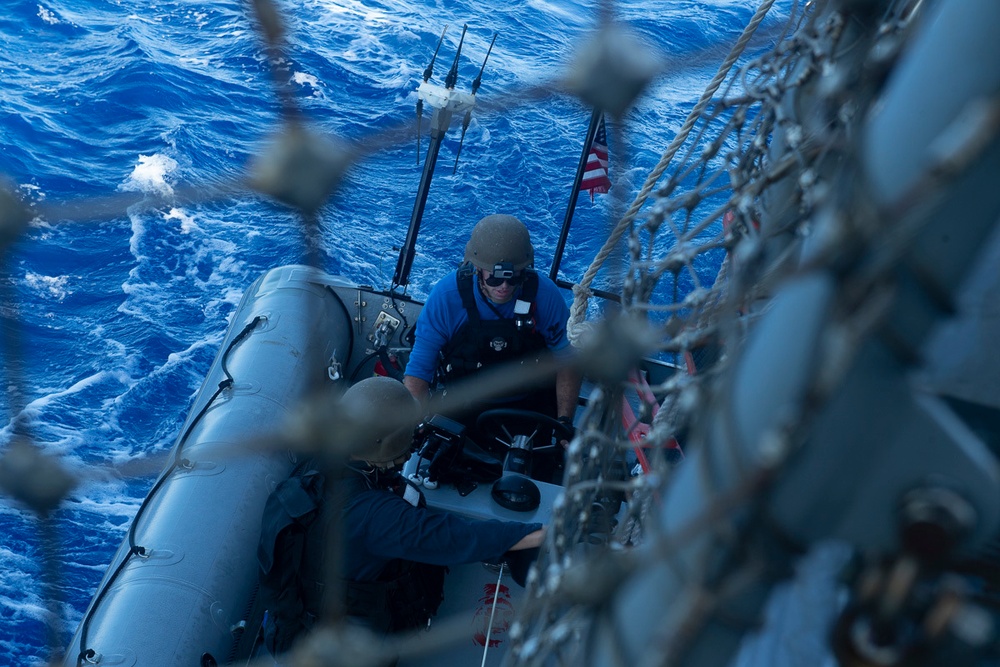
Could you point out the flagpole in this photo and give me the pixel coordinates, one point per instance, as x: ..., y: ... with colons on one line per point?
x: 581, y: 169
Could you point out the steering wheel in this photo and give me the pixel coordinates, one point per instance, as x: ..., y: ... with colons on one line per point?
x: 515, y: 490
x: 491, y: 422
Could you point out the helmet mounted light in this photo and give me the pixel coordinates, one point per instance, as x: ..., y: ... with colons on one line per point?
x: 503, y: 271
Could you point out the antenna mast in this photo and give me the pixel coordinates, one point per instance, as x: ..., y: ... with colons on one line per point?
x: 445, y: 102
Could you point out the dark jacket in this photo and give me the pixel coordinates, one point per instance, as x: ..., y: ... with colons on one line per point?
x: 381, y: 526
x: 395, y: 550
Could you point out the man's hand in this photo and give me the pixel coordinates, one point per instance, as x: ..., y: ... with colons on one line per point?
x: 418, y: 388
x: 530, y: 541
x: 568, y: 423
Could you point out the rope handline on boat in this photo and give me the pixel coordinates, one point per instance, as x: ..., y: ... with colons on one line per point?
x: 87, y: 653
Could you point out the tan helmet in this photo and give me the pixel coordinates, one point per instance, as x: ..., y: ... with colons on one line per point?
x: 388, y: 414
x: 500, y: 239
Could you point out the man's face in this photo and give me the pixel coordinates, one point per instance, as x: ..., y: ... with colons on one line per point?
x: 501, y: 293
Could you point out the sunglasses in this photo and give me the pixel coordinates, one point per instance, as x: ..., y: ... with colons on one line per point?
x: 510, y: 277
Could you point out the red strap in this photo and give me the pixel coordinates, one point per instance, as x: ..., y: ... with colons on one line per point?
x: 636, y: 430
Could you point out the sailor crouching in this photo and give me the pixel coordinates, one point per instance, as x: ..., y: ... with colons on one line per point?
x: 396, y: 551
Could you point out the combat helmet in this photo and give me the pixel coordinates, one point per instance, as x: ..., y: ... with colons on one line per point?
x: 500, y: 239
x: 387, y: 413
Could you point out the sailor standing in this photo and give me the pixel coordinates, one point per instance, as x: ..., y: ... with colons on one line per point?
x: 494, y: 309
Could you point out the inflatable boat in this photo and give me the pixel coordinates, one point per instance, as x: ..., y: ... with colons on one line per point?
x: 182, y: 588
x: 833, y: 374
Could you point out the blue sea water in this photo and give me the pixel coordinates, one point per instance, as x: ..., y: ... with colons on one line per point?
x: 118, y: 319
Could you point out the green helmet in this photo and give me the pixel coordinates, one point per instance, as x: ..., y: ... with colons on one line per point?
x: 500, y: 239
x: 388, y: 413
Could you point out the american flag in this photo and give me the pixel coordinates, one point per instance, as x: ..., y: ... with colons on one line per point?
x: 595, y: 178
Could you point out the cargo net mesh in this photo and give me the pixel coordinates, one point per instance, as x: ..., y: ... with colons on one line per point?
x: 727, y: 198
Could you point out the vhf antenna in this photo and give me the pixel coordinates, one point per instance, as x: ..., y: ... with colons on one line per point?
x: 446, y: 102
x: 452, y: 77
x: 428, y: 72
x: 475, y: 88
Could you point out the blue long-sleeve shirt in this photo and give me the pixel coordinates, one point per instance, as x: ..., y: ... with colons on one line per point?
x: 443, y: 315
x: 382, y: 526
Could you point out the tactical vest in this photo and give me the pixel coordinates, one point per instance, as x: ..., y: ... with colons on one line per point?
x: 483, y: 343
x: 294, y: 537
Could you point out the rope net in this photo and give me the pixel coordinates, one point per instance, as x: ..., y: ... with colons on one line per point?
x: 748, y: 175
x: 745, y: 178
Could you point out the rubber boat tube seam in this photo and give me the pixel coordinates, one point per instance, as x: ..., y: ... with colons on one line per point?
x: 347, y: 315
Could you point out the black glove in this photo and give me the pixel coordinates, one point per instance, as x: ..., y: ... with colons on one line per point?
x: 568, y: 423
x: 519, y: 563
x: 442, y: 458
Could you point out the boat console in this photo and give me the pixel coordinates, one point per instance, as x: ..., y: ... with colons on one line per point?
x: 482, y: 593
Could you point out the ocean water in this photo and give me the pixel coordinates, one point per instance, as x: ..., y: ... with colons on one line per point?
x: 112, y: 323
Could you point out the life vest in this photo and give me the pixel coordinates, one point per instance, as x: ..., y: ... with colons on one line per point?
x: 294, y: 537
x: 483, y: 343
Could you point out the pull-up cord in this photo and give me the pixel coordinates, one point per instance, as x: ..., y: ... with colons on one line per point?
x: 493, y: 611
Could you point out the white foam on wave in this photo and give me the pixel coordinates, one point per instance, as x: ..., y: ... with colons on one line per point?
x: 48, y: 15
x: 52, y: 287
x: 33, y: 411
x: 184, y: 363
x: 303, y: 79
x: 183, y: 356
x: 187, y: 269
x: 134, y: 241
x: 188, y: 224
x: 345, y: 8
x: 76, y: 387
x: 107, y: 500
x: 200, y: 18
x: 196, y: 61
x: 120, y: 443
x: 230, y: 295
x: 32, y: 190
x: 27, y: 603
x: 565, y: 14
x: 150, y: 175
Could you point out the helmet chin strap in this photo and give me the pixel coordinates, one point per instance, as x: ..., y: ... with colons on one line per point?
x: 383, y: 467
x: 389, y: 466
